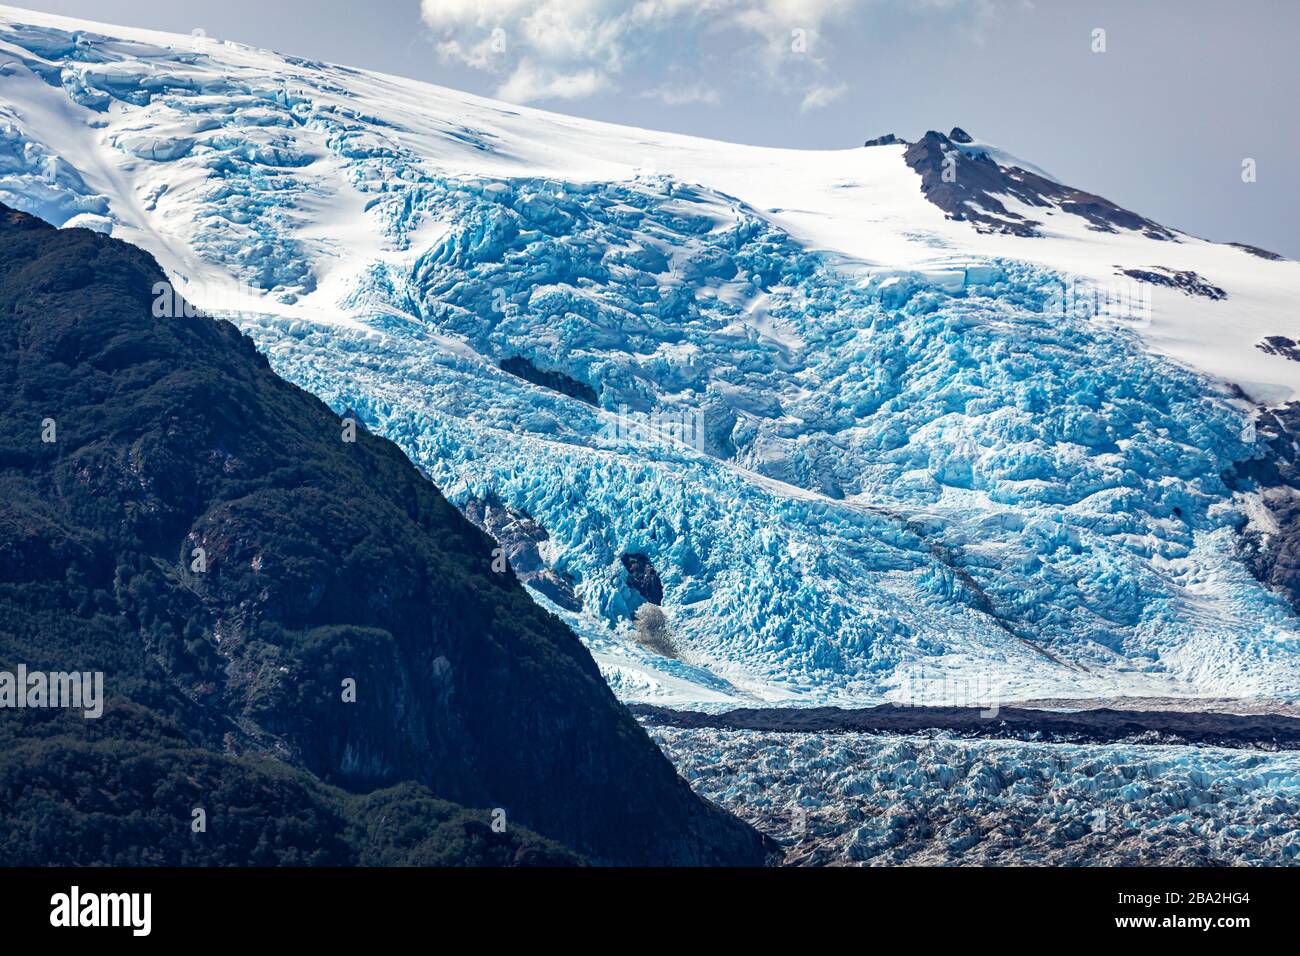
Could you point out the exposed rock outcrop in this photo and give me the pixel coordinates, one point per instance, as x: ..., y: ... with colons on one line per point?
x: 643, y: 578
x: 1258, y: 252
x: 1185, y: 281
x: 1281, y: 345
x: 1271, y: 542
x: 973, y: 182
x: 521, y: 540
x: 556, y: 381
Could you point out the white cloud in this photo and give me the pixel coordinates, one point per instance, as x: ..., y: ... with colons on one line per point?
x: 684, y: 95
x: 530, y: 82
x: 822, y: 96
x: 575, y: 48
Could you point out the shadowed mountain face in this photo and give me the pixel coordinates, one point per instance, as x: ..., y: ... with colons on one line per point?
x: 175, y: 515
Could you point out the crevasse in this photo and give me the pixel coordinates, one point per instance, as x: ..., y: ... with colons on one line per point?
x: 888, y: 484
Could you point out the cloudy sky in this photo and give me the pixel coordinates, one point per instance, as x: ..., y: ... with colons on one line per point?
x: 1161, y: 121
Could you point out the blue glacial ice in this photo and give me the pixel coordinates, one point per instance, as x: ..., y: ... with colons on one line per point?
x: 864, y: 800
x: 880, y: 474
x: 876, y: 474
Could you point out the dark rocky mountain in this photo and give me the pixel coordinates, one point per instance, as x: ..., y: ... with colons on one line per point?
x: 970, y: 192
x: 204, y: 534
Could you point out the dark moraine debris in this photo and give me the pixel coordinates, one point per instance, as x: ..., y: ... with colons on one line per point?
x: 1103, y: 725
x: 653, y: 633
x: 972, y: 195
x: 1280, y: 345
x: 555, y: 381
x: 1185, y: 281
x: 643, y: 578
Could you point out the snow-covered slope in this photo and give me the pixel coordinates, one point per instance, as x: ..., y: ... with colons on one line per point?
x: 867, y: 451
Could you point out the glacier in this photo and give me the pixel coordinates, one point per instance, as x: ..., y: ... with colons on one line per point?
x: 898, y: 455
x: 865, y: 800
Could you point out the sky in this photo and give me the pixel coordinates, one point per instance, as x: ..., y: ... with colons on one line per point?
x: 1158, y: 111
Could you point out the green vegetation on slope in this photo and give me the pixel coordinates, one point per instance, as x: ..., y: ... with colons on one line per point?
x: 324, y: 563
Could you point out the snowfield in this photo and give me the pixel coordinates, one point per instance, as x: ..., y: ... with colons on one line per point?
x: 907, y: 460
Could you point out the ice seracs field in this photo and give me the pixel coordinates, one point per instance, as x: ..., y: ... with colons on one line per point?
x: 854, y: 448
